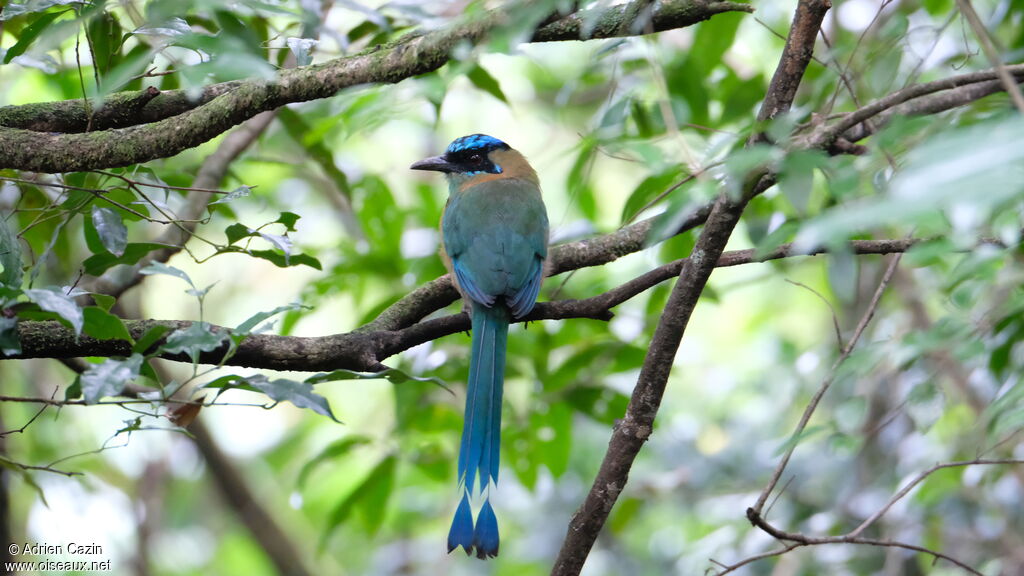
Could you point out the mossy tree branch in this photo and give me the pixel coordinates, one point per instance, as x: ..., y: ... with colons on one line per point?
x: 365, y: 349
x: 410, y: 56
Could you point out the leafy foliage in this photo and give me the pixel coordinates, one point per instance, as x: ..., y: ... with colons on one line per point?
x: 619, y: 130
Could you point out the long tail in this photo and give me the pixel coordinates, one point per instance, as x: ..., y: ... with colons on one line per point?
x: 481, y: 432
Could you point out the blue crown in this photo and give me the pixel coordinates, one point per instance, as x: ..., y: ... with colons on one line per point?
x: 481, y: 142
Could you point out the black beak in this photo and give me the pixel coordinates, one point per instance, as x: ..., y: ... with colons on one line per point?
x: 435, y: 163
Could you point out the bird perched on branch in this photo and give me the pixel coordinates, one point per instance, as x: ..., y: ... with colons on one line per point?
x: 495, y: 240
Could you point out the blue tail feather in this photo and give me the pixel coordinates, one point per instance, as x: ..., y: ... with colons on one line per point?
x: 485, y: 537
x: 479, y: 451
x: 461, y: 532
x: 481, y: 432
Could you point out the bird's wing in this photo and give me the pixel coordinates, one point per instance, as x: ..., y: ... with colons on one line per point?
x: 468, y: 286
x: 521, y: 303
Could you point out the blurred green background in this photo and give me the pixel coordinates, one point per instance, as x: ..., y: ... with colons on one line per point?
x: 610, y: 126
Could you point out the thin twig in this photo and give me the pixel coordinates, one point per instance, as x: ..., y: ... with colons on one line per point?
x: 917, y: 480
x: 47, y: 468
x: 95, y: 192
x: 38, y: 413
x: 823, y: 137
x: 835, y: 317
x: 803, y: 540
x: 827, y: 383
x: 79, y: 402
x: 751, y: 559
x: 988, y: 45
x: 159, y: 185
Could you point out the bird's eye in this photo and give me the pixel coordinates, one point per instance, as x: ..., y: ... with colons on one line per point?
x: 476, y: 159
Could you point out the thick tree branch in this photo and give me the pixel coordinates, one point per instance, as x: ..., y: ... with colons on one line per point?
x: 365, y: 349
x: 409, y: 56
x: 795, y: 57
x: 633, y: 19
x: 120, y: 110
x: 930, y: 104
x: 825, y: 136
x: 630, y: 434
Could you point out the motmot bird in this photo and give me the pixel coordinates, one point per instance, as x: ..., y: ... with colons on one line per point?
x: 494, y: 233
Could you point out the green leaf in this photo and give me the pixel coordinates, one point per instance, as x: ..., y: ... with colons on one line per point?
x: 17, y: 9
x: 161, y: 268
x: 150, y: 337
x: 288, y: 219
x: 928, y: 253
x: 29, y: 33
x: 624, y: 514
x: 602, y: 404
x: 552, y: 437
x: 744, y: 164
x: 228, y: 382
x: 247, y: 326
x: 1006, y: 413
x: 54, y: 300
x: 843, y: 271
x: 111, y: 229
x: 796, y: 179
x: 26, y: 476
x: 680, y: 208
x: 985, y: 156
x: 10, y: 344
x: 370, y: 496
x: 104, y: 301
x: 808, y: 432
x: 109, y: 378
x: 75, y: 390
x: 939, y: 486
x: 714, y: 38
x: 648, y: 190
x: 300, y: 394
x: 99, y: 263
x: 172, y: 27
x: 333, y: 450
x: 11, y: 272
x: 103, y: 325
x: 105, y: 35
x: 125, y: 73
x: 393, y: 375
x: 578, y: 181
x: 300, y: 131
x: 686, y: 82
x: 741, y: 99
x: 240, y: 192
x: 283, y: 261
x: 195, y: 339
x: 483, y: 80
x: 236, y: 232
x: 230, y: 64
